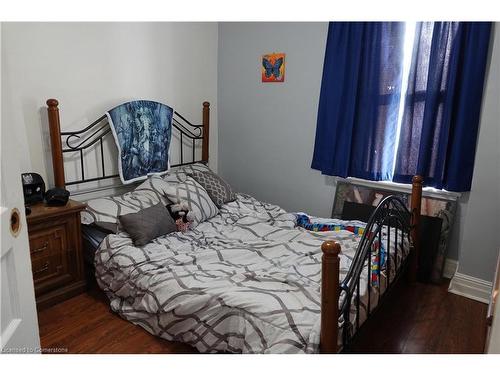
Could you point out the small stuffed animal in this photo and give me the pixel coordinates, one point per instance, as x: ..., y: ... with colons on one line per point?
x: 181, y: 214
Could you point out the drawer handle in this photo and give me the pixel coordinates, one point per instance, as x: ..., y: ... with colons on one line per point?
x: 40, y: 249
x: 44, y: 268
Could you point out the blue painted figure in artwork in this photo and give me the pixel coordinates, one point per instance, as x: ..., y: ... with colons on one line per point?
x: 142, y: 131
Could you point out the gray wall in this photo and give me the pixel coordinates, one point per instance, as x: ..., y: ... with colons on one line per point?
x: 267, y: 129
x: 266, y: 134
x: 480, y: 237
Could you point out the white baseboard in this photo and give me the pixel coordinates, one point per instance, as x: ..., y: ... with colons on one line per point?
x: 450, y: 267
x: 470, y: 287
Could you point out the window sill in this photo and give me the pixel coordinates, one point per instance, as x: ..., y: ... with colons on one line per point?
x: 404, y: 188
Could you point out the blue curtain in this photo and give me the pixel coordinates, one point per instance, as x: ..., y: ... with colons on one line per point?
x: 442, y: 107
x: 358, y: 107
x: 356, y: 133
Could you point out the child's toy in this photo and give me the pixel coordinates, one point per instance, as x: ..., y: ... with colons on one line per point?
x: 181, y: 214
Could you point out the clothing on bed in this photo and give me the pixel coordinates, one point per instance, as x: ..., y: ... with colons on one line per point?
x: 324, y: 225
x: 246, y: 280
x: 317, y: 224
x: 142, y: 130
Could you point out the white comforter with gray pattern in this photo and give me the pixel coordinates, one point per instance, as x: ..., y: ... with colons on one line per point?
x: 247, y: 280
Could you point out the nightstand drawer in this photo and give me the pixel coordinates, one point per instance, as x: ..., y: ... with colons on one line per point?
x: 48, y: 241
x: 55, y: 251
x: 53, y: 261
x: 51, y: 270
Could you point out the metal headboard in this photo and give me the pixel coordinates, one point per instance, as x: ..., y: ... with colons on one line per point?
x: 76, y: 142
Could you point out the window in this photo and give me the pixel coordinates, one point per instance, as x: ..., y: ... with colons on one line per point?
x: 402, y: 99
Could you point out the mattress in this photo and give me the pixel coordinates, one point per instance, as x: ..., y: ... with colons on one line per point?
x: 92, y: 236
x: 246, y: 281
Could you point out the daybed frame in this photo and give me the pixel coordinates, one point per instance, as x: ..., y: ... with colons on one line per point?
x: 391, y: 213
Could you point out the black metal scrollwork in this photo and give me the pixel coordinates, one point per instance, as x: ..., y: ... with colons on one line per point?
x: 78, y: 141
x: 393, y: 215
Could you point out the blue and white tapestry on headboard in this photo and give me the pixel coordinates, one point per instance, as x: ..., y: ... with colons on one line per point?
x: 142, y: 130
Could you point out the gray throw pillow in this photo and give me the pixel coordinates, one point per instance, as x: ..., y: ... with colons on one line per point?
x: 147, y: 224
x: 219, y: 190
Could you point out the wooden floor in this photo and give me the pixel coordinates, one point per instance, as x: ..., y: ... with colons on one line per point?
x: 425, y: 318
x: 418, y: 319
x: 85, y: 324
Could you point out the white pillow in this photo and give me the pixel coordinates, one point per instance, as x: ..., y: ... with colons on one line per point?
x: 181, y: 172
x: 104, y: 211
x: 197, y: 198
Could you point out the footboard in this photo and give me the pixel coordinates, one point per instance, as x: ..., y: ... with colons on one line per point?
x: 341, y: 304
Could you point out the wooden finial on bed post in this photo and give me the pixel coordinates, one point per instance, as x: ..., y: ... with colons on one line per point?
x: 416, y: 204
x: 56, y: 144
x: 330, y: 269
x: 206, y: 131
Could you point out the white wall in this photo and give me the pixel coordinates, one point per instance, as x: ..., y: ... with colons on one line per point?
x: 266, y: 134
x: 91, y: 67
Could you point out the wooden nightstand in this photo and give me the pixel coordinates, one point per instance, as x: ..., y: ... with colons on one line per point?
x: 56, y: 252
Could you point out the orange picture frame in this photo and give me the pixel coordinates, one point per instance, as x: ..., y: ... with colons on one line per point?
x: 273, y: 67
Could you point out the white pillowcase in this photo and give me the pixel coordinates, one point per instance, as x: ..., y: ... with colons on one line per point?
x: 104, y: 211
x: 180, y: 173
x: 197, y: 198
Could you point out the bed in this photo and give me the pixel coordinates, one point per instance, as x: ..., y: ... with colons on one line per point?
x: 249, y: 280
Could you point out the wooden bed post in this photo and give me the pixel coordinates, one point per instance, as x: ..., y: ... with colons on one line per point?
x: 416, y: 203
x: 206, y: 131
x: 55, y: 141
x: 330, y: 297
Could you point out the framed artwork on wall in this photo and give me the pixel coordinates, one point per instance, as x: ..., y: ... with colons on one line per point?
x: 273, y: 67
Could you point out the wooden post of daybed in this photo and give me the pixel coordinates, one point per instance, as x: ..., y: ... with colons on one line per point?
x: 55, y: 141
x: 330, y: 269
x: 415, y: 209
x: 206, y: 131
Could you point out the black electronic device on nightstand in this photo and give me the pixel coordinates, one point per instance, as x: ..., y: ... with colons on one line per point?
x: 33, y: 188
